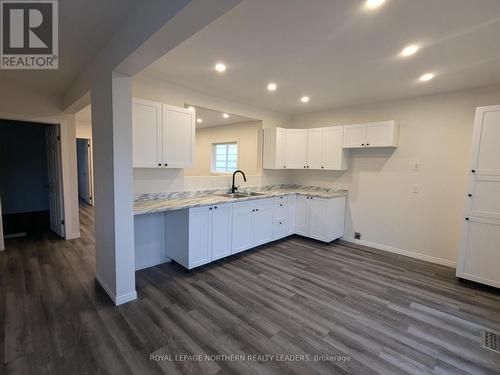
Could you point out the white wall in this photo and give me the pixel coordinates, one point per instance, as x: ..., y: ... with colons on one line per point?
x: 436, y: 132
x: 164, y: 180
x: 83, y: 130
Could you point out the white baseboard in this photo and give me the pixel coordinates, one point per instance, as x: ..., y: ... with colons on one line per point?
x: 408, y: 253
x: 117, y: 300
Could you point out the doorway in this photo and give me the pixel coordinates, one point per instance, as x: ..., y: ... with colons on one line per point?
x: 84, y: 165
x: 31, y: 189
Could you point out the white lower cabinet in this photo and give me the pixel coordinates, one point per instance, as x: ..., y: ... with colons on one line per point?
x: 252, y: 224
x: 197, y: 236
x: 320, y: 218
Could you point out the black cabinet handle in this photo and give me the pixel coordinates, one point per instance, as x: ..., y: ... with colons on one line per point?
x: 166, y: 164
x: 322, y: 167
x: 304, y: 166
x: 159, y: 164
x: 467, y: 218
x: 362, y: 144
x: 281, y: 204
x: 473, y: 171
x: 284, y: 166
x: 368, y: 144
x: 210, y: 208
x: 469, y: 195
x: 215, y: 207
x: 256, y: 209
x: 253, y: 210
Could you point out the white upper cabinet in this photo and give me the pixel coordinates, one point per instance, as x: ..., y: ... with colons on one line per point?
x: 333, y: 156
x: 163, y: 135
x: 296, y: 148
x: 374, y: 134
x: 314, y: 148
x: 274, y: 149
x: 146, y: 133
x: 178, y: 137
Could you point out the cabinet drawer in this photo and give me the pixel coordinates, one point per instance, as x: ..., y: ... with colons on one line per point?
x: 280, y: 228
x: 280, y: 200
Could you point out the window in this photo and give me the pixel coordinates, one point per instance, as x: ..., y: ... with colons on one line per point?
x: 224, y: 157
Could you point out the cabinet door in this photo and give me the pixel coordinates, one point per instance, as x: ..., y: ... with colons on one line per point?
x: 332, y: 156
x: 280, y: 148
x: 263, y: 222
x: 290, y: 216
x: 200, y: 236
x: 221, y: 231
x: 279, y: 228
x: 318, y: 220
x: 302, y: 215
x: 178, y: 137
x: 296, y: 148
x: 242, y: 227
x: 380, y: 134
x: 354, y: 136
x: 485, y: 154
x: 314, y: 147
x: 146, y: 134
x: 481, y: 255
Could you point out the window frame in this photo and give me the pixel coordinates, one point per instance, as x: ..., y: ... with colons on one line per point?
x: 214, y: 157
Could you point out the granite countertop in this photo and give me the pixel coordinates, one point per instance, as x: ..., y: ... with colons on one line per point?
x: 160, y: 202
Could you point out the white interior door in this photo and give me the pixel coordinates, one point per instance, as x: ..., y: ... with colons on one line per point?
x: 56, y: 197
x: 314, y: 147
x: 84, y: 170
x: 296, y: 148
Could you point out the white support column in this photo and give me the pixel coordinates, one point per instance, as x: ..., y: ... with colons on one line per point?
x: 111, y: 98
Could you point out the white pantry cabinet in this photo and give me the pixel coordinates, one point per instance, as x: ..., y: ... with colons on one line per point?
x: 320, y: 218
x: 374, y: 134
x: 252, y: 224
x: 479, y: 258
x: 163, y: 136
x: 199, y: 235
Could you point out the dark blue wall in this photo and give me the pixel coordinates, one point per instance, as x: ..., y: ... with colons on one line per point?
x: 23, y: 167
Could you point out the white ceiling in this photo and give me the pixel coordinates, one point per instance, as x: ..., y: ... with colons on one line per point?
x: 85, y: 26
x: 337, y: 52
x: 212, y: 117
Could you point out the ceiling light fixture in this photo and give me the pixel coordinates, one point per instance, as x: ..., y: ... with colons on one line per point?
x: 426, y: 77
x: 304, y: 99
x: 225, y: 115
x: 409, y: 50
x: 199, y: 120
x: 272, y: 86
x: 372, y: 4
x: 220, y: 67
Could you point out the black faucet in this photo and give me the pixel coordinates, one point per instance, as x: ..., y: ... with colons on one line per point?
x: 234, y: 188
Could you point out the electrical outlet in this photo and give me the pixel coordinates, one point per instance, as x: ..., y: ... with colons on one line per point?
x: 357, y: 235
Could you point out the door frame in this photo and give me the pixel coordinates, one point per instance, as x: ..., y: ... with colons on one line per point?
x: 67, y: 133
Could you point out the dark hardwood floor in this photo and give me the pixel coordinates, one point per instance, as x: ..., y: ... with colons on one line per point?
x: 388, y: 314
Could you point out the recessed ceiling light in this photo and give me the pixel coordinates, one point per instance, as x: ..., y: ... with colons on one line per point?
x: 304, y: 99
x: 220, y: 67
x: 426, y: 77
x: 372, y: 4
x: 272, y: 86
x: 191, y: 109
x: 225, y: 115
x: 199, y: 120
x: 409, y: 50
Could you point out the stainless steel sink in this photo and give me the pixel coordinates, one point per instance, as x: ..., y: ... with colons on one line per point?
x: 241, y: 194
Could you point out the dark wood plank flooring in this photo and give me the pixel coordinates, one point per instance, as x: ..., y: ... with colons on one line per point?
x: 389, y: 314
